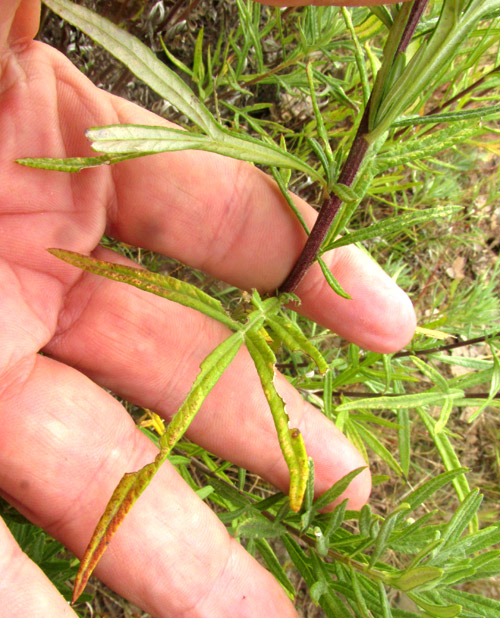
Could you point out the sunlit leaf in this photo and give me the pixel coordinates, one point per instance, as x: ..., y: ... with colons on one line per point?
x: 162, y: 285
x: 141, y: 61
x: 291, y: 440
x: 400, y: 401
x: 294, y: 339
x: 124, y: 496
x: 331, y: 280
x: 127, y: 138
x: 394, y: 225
x: 416, y: 577
x: 76, y: 164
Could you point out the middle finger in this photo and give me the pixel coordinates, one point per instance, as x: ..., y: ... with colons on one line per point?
x: 148, y: 350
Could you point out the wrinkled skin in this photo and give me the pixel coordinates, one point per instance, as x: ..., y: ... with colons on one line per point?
x: 64, y: 440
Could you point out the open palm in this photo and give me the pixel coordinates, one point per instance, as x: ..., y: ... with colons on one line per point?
x: 64, y: 440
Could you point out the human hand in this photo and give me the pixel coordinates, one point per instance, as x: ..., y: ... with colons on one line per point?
x: 64, y: 441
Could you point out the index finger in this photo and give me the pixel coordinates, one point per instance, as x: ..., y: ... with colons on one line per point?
x: 229, y: 219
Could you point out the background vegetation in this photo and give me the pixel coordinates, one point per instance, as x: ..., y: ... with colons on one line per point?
x: 420, y: 416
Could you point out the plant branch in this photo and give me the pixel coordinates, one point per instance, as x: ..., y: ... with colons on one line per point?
x: 329, y: 208
x: 411, y: 25
x: 300, y: 536
x: 444, y: 348
x: 462, y: 93
x: 357, y: 153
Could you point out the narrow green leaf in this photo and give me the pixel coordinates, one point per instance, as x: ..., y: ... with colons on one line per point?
x: 477, y: 604
x: 460, y: 520
x: 449, y: 457
x: 294, y: 339
x: 480, y: 113
x: 427, y: 398
x: 260, y: 528
x: 337, y: 489
x: 345, y: 193
x: 321, y: 154
x: 198, y: 66
x: 129, y: 138
x: 322, y: 132
x: 75, y: 164
x: 291, y: 440
x: 431, y: 373
x: 415, y: 578
x: 420, y: 148
x: 404, y: 440
x: 328, y: 394
x: 385, y: 532
x: 358, y: 55
x: 365, y: 520
x: 384, y: 601
x: 299, y: 559
x: 330, y: 279
x: 394, y: 225
x: 418, y: 496
x: 139, y: 59
x: 123, y: 498
x: 437, y: 611
x: 211, y: 369
x: 363, y: 610
x: 376, y: 445
x: 444, y: 416
x: 383, y: 13
x: 289, y: 200
x: 479, y: 541
x: 161, y: 285
x: 308, y: 498
x: 274, y: 565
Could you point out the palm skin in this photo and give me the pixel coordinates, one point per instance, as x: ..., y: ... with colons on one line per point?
x: 64, y: 441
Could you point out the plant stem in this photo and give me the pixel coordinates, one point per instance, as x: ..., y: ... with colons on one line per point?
x: 444, y: 348
x: 411, y: 25
x: 348, y: 173
x: 329, y: 208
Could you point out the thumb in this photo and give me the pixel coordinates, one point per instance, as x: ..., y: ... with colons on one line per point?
x: 19, y: 21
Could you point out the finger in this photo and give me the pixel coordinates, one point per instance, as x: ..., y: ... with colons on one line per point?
x: 59, y: 465
x: 220, y: 215
x: 18, y: 23
x: 149, y: 351
x: 229, y: 219
x: 24, y: 589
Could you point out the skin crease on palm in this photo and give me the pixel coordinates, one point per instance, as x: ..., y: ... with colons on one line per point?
x: 64, y: 441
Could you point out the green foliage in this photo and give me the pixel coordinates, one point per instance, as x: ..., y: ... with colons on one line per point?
x: 45, y: 551
x: 429, y: 540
